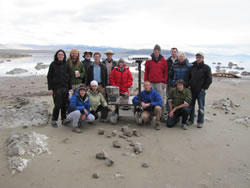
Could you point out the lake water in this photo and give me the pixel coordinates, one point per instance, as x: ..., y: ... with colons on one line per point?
x: 29, y: 63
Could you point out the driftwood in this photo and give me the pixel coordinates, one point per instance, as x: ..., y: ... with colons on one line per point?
x: 226, y: 75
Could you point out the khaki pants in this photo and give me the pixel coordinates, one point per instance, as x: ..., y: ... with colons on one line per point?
x: 147, y: 115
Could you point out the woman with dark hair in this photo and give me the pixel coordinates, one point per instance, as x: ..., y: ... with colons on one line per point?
x: 59, y: 85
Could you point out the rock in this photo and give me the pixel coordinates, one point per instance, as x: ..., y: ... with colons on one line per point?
x: 101, y: 131
x: 114, y: 133
x: 127, y: 133
x: 239, y: 68
x: 138, y: 148
x: 17, y: 71
x: 124, y: 128
x: 145, y: 164
x: 16, y: 150
x: 243, y: 120
x: 116, y: 144
x: 122, y: 136
x: 214, y: 114
x: 132, y: 144
x: 136, y: 133
x: 102, y: 155
x: 118, y: 176
x: 18, y: 163
x: 40, y: 66
x: 109, y: 162
x: 230, y: 64
x: 224, y: 104
x: 245, y: 73
x: 96, y: 175
x: 108, y: 135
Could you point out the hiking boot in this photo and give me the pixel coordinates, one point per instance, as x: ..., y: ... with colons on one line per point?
x: 76, y: 130
x: 184, y: 126
x: 199, y: 125
x: 54, y: 124
x: 190, y: 122
x: 157, y: 126
x: 65, y: 121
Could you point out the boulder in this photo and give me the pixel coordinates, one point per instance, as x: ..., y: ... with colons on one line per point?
x: 17, y: 71
x: 40, y: 66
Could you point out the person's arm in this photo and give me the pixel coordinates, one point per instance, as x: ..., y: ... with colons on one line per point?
x: 82, y: 70
x: 49, y: 78
x: 156, y: 99
x: 165, y: 72
x: 136, y: 100
x: 103, y: 101
x: 112, y: 78
x: 208, y: 78
x: 130, y: 79
x: 70, y: 77
x: 146, y: 77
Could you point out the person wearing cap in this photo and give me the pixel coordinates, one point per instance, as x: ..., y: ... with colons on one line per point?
x: 97, y: 102
x: 199, y: 79
x: 98, y: 72
x: 156, y: 71
x: 77, y: 68
x: 87, y: 55
x: 151, y: 103
x: 79, y: 109
x: 109, y: 62
x: 178, y: 101
x: 179, y: 70
x: 59, y: 86
x: 121, y: 77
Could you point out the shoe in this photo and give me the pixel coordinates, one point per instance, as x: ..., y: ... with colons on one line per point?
x: 157, y: 126
x: 65, y: 121
x: 76, y: 130
x: 184, y: 126
x: 54, y: 124
x: 190, y: 122
x: 199, y: 125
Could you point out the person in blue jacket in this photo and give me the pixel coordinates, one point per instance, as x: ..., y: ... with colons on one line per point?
x: 151, y: 103
x: 79, y: 108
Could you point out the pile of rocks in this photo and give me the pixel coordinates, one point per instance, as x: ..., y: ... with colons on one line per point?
x: 243, y: 120
x: 22, y: 147
x: 225, y: 104
x: 24, y: 112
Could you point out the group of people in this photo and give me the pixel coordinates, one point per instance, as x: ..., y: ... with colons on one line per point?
x: 85, y: 80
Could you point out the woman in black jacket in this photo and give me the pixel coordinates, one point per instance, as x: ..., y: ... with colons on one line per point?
x: 59, y: 85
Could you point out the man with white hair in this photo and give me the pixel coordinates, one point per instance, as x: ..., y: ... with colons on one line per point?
x: 179, y: 70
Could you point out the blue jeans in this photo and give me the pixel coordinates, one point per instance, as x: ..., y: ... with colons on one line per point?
x: 200, y: 97
x: 184, y: 112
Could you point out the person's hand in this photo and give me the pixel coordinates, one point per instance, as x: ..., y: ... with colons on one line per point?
x: 71, y: 91
x: 83, y: 117
x: 163, y: 86
x: 85, y: 112
x: 78, y: 75
x: 171, y: 114
x: 51, y: 92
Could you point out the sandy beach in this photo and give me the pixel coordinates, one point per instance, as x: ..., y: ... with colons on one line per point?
x: 218, y: 155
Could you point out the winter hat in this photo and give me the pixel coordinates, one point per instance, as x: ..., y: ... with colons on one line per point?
x: 157, y: 47
x: 83, y: 86
x: 93, y: 83
x: 121, y: 61
x: 200, y: 54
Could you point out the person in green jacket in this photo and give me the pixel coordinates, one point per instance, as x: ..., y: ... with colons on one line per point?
x: 97, y: 102
x: 77, y: 68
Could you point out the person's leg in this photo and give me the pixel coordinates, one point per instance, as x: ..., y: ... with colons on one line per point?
x: 192, y: 108
x: 173, y: 120
x: 94, y: 113
x: 104, y: 111
x: 201, y: 104
x: 145, y: 116
x: 74, y: 117
x: 90, y: 118
x: 184, y: 113
x: 157, y: 113
x: 64, y: 94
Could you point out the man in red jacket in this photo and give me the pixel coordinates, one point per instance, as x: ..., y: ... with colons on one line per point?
x: 121, y: 77
x: 156, y: 71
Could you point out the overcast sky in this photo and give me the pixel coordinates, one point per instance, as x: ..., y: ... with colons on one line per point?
x: 220, y: 26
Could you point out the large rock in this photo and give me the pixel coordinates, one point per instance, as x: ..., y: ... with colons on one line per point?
x: 40, y: 66
x: 17, y: 71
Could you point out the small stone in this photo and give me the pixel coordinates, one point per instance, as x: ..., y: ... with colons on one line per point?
x: 109, y: 135
x: 214, y: 114
x: 109, y: 162
x: 145, y: 164
x: 132, y: 144
x: 25, y: 127
x: 122, y: 136
x: 101, y: 131
x: 228, y: 145
x: 118, y: 175
x: 124, y: 128
x: 102, y: 155
x: 226, y: 112
x: 127, y: 133
x: 136, y: 133
x: 114, y: 133
x: 96, y: 175
x: 116, y: 144
x: 138, y: 148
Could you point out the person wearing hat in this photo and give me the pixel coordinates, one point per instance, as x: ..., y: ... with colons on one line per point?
x: 59, y: 86
x: 156, y: 71
x: 79, y: 109
x: 77, y: 68
x: 109, y: 62
x: 121, y: 77
x: 97, y: 71
x: 178, y: 101
x: 87, y: 55
x: 97, y: 102
x: 199, y: 79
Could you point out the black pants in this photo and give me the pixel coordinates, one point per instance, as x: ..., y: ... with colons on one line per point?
x: 60, y: 97
x: 183, y: 112
x: 104, y: 112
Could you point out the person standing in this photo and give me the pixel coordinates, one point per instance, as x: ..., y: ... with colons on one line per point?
x: 77, y: 68
x: 109, y: 62
x: 199, y: 79
x: 98, y: 72
x: 156, y: 71
x: 178, y: 101
x: 59, y: 85
x: 87, y: 55
x: 121, y: 77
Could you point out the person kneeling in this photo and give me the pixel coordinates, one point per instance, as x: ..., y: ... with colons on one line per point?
x: 97, y: 102
x: 79, y: 109
x: 151, y: 103
x: 178, y: 102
